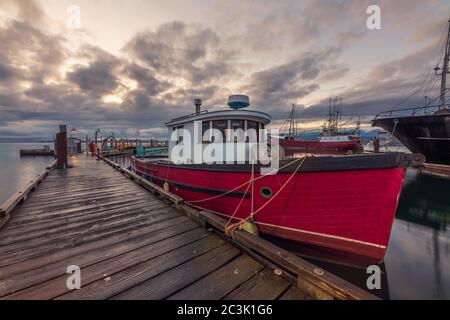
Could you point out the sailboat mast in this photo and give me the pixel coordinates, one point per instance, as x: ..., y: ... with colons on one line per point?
x: 445, y: 70
x: 292, y: 122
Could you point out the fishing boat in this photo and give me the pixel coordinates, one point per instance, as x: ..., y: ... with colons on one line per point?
x: 341, y: 203
x: 425, y: 129
x: 331, y: 141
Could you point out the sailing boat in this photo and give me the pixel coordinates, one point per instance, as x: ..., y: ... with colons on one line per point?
x: 331, y: 141
x: 425, y: 129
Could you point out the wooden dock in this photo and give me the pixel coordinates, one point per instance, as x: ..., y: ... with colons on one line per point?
x: 133, y: 244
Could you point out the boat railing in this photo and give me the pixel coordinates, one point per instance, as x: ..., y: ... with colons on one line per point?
x: 189, y: 116
x: 409, y: 112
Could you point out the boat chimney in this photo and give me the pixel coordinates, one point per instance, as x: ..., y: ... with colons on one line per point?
x: 198, y: 104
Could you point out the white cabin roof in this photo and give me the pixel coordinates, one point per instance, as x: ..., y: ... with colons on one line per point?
x: 222, y: 115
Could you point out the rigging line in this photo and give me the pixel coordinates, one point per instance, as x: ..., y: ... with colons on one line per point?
x: 426, y: 75
x: 240, y: 186
x: 252, y: 214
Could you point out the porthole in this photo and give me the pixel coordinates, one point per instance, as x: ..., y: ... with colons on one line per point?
x: 266, y: 192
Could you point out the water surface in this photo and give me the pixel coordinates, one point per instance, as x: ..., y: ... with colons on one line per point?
x: 16, y: 171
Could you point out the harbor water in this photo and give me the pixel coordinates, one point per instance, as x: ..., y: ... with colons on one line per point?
x: 419, y: 247
x: 16, y: 171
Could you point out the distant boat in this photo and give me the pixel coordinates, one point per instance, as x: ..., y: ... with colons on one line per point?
x: 425, y: 129
x: 331, y: 141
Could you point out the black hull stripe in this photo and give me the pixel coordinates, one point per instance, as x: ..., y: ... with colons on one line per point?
x: 311, y: 164
x: 232, y: 194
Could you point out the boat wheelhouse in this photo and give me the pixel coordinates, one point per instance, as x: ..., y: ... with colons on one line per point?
x: 227, y: 130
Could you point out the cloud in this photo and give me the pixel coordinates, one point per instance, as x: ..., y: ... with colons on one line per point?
x: 278, y: 87
x: 99, y: 76
x: 189, y: 52
x: 278, y: 53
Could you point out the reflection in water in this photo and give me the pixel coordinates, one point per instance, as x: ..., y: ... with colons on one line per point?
x: 425, y: 200
x: 418, y: 257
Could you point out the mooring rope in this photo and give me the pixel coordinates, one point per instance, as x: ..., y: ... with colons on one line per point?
x: 229, y: 229
x: 245, y: 183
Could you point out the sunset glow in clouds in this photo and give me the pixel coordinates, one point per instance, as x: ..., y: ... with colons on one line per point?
x: 135, y: 64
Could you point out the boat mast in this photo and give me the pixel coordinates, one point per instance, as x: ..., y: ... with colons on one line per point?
x: 444, y: 71
x: 292, y: 123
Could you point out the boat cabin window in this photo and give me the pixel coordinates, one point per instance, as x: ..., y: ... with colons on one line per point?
x: 253, y: 128
x: 237, y: 126
x: 179, y: 130
x: 206, y: 125
x: 222, y: 126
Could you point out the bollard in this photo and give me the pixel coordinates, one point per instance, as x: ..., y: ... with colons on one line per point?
x: 376, y: 145
x: 61, y: 147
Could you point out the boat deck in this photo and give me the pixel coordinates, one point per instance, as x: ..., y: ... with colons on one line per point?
x: 127, y: 243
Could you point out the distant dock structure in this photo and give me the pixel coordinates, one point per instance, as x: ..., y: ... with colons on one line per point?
x: 46, y: 151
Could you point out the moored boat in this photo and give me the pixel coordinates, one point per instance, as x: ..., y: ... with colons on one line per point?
x: 343, y: 203
x: 331, y: 141
x: 426, y: 129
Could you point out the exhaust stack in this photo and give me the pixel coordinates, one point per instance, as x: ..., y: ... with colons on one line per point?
x: 198, y: 104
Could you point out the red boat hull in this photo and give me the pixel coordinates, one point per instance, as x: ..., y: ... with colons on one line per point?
x: 351, y: 211
x: 292, y: 147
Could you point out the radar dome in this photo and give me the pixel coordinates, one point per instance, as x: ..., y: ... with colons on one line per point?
x: 238, y: 101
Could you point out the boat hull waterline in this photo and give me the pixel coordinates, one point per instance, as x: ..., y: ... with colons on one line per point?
x: 348, y: 207
x: 427, y: 134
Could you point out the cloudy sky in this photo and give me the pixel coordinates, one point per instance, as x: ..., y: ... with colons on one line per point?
x: 134, y: 64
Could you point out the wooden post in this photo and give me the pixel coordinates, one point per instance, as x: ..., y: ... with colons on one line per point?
x: 61, y: 147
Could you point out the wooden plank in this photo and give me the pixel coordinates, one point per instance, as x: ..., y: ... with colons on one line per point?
x: 47, y: 222
x: 139, y: 234
x: 80, y: 223
x: 219, y: 283
x: 71, y: 211
x: 262, y: 286
x: 171, y: 281
x: 294, y: 293
x: 73, y: 203
x: 48, y: 246
x: 22, y: 280
x: 57, y: 286
x: 119, y: 282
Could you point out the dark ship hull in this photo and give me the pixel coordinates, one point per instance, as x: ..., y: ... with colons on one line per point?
x: 425, y: 134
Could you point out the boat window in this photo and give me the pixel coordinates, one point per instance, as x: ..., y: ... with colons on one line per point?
x: 206, y: 125
x: 179, y: 134
x: 238, y: 127
x: 221, y: 125
x: 252, y: 128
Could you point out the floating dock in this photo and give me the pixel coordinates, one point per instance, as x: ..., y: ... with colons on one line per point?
x: 133, y: 240
x: 37, y: 152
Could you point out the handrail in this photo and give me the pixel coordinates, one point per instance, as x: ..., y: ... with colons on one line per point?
x: 414, y: 111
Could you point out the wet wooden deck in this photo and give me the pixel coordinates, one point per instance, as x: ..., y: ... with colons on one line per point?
x: 128, y: 243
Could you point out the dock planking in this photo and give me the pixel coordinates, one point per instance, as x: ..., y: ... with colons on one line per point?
x: 128, y: 243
